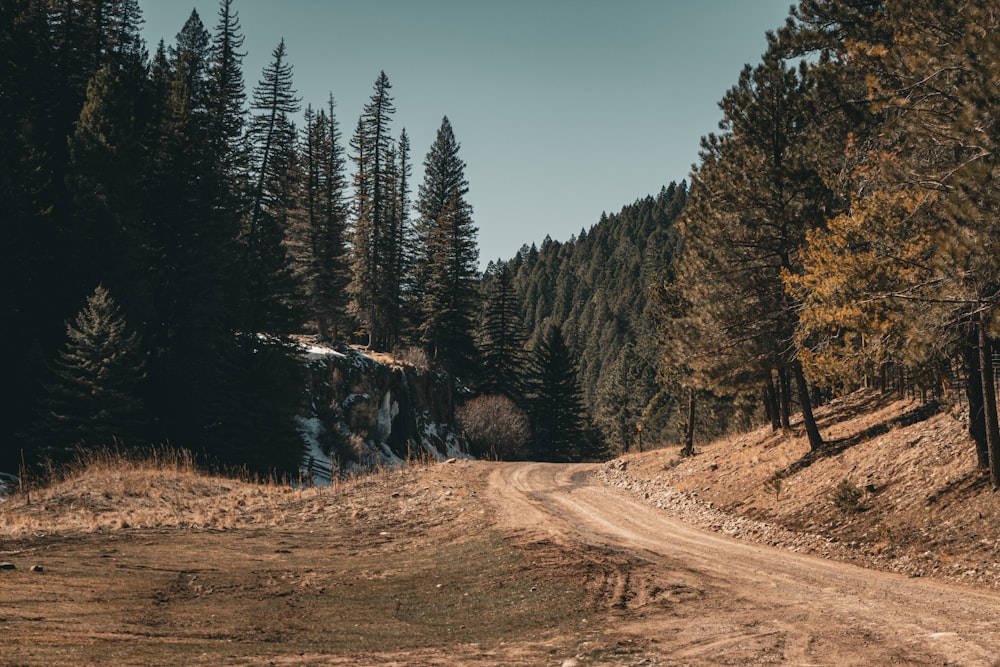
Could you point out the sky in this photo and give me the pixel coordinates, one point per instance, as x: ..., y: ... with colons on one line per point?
x: 564, y: 109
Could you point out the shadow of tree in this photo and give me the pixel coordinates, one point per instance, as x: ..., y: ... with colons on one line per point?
x: 834, y: 447
x: 973, y: 482
x: 867, y: 402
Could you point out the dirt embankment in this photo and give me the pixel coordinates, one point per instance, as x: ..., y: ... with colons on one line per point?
x: 919, y: 505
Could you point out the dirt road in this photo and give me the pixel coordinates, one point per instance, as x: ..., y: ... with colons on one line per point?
x: 690, y: 597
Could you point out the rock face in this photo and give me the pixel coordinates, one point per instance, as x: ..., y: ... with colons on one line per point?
x: 365, y: 412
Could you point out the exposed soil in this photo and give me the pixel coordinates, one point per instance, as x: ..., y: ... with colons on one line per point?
x: 476, y: 563
x: 924, y: 508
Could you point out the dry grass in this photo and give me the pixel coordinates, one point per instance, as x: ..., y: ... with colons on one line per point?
x: 108, y: 490
x: 149, y: 561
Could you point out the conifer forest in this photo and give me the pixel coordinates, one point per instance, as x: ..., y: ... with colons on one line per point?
x: 172, y: 225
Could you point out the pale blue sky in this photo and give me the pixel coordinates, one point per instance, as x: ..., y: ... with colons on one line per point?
x: 563, y: 108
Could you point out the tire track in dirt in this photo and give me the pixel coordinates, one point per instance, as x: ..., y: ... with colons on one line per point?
x: 700, y: 598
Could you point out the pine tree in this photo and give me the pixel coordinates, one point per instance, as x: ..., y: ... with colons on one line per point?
x: 450, y: 298
x: 191, y: 229
x: 321, y: 253
x: 557, y: 401
x: 447, y: 270
x: 228, y: 95
x: 272, y: 291
x: 599, y: 287
x: 625, y: 390
x: 937, y: 82
x: 502, y: 340
x: 925, y: 213
x: 755, y: 195
x: 92, y: 398
x: 28, y: 278
x: 399, y: 244
x: 373, y: 240
x: 106, y: 153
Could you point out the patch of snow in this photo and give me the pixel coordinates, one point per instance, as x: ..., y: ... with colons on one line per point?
x: 387, y: 411
x: 388, y: 458
x: 315, y: 352
x: 311, y: 428
x: 352, y: 399
x: 441, y: 442
x: 8, y: 483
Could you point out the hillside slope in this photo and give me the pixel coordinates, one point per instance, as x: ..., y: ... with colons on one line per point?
x: 923, y: 507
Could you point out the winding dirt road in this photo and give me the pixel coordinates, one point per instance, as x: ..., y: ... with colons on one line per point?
x: 692, y: 597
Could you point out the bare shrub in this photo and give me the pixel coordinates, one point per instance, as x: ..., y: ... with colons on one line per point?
x: 416, y: 357
x: 495, y: 428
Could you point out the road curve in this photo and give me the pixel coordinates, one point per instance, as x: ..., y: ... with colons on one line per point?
x: 709, y: 599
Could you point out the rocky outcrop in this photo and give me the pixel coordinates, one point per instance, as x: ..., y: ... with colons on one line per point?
x: 366, y: 412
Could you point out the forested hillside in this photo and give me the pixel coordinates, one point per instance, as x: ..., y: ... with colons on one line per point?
x: 604, y: 289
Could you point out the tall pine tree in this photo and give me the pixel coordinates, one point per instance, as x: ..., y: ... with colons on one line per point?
x: 321, y: 240
x: 447, y: 270
x: 757, y: 192
x: 272, y: 291
x: 373, y: 238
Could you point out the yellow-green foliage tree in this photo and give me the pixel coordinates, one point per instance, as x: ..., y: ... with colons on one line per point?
x: 911, y: 273
x: 859, y: 275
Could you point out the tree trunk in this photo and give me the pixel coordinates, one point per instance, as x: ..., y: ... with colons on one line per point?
x: 785, y: 402
x: 974, y: 393
x: 771, y: 403
x: 815, y: 439
x: 989, y: 401
x: 688, y: 449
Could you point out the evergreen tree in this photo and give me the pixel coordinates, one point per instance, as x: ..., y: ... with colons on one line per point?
x: 502, y: 339
x: 373, y: 240
x: 29, y: 281
x: 625, y: 390
x: 106, y: 153
x: 557, y: 401
x: 228, y: 96
x: 754, y: 197
x: 937, y: 82
x: 399, y: 244
x: 450, y: 298
x: 447, y: 271
x: 922, y: 288
x: 322, y: 252
x: 92, y: 398
x: 272, y: 291
x: 599, y: 286
x: 190, y: 235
